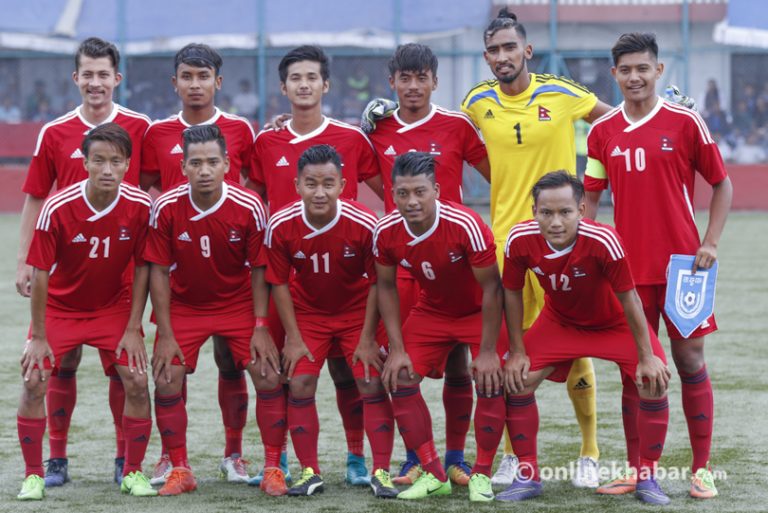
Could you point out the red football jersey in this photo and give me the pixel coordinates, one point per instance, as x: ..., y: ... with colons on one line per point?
x: 333, y: 266
x: 211, y: 251
x: 276, y: 156
x: 87, y: 251
x: 441, y: 259
x: 579, y: 282
x: 58, y: 154
x: 651, y: 166
x: 163, y: 148
x: 447, y: 135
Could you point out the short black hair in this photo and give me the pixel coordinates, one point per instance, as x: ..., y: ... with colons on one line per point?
x: 200, y: 56
x: 635, y: 42
x: 199, y: 134
x: 504, y: 20
x: 414, y: 163
x: 320, y: 154
x: 412, y: 57
x: 110, y: 133
x: 96, y: 48
x: 310, y: 53
x: 557, y: 179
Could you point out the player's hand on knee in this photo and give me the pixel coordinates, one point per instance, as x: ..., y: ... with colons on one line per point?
x: 24, y: 279
x: 294, y: 351
x: 656, y: 372
x: 166, y: 349
x: 396, y: 362
x: 264, y: 349
x: 487, y: 371
x: 133, y: 344
x: 36, y: 350
x: 368, y: 354
x: 706, y: 256
x: 516, y: 372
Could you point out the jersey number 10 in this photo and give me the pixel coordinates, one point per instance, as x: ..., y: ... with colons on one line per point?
x: 639, y: 159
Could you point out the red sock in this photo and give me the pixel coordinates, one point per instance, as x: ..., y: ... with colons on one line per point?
x: 60, y: 402
x: 31, y: 433
x: 458, y: 401
x: 271, y: 416
x: 171, y: 415
x: 305, y: 429
x: 233, y: 401
x: 137, y: 433
x: 117, y: 406
x: 523, y: 427
x: 489, y: 427
x: 630, y: 401
x: 652, y: 419
x: 415, y: 425
x: 380, y: 428
x: 351, y: 409
x: 699, y: 409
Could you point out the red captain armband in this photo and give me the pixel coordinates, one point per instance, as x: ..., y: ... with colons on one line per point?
x: 261, y: 322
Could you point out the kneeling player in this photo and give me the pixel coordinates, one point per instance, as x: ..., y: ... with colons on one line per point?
x: 211, y: 231
x: 321, y: 266
x: 591, y: 309
x: 450, y: 252
x: 89, y: 233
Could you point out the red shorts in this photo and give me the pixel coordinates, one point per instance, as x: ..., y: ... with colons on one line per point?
x: 429, y: 338
x: 103, y: 332
x: 192, y: 330
x: 323, y: 334
x: 653, y: 298
x: 549, y: 343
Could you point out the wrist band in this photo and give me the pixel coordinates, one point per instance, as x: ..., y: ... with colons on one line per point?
x: 261, y: 322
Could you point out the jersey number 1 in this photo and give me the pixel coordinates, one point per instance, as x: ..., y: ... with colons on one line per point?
x: 519, y: 133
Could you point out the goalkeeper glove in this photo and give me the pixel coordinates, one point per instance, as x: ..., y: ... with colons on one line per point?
x: 376, y: 109
x: 673, y: 94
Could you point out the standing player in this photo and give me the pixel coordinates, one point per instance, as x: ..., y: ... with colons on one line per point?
x: 91, y: 232
x: 196, y: 79
x: 304, y: 81
x: 321, y: 267
x: 591, y: 309
x: 211, y: 231
x: 58, y: 159
x: 649, y: 150
x: 450, y: 252
x: 527, y: 122
x: 450, y: 137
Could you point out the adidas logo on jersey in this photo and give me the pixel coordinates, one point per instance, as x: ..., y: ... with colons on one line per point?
x: 79, y: 238
x: 299, y: 254
x: 405, y: 263
x: 184, y: 237
x: 177, y: 149
x: 390, y: 151
x: 617, y: 152
x: 489, y: 114
x: 538, y: 270
x: 77, y: 154
x: 282, y: 162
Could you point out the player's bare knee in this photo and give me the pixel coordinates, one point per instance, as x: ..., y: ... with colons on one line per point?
x: 303, y: 386
x: 372, y: 387
x: 33, y: 391
x: 164, y: 387
x: 405, y: 380
x: 136, y: 386
x: 340, y: 371
x: 269, y: 381
x: 688, y: 355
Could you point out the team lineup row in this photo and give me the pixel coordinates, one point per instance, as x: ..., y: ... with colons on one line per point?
x: 529, y: 127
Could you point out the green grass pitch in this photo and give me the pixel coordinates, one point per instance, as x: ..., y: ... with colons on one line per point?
x: 735, y: 356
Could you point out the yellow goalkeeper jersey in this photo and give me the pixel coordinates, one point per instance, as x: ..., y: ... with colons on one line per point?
x: 527, y: 136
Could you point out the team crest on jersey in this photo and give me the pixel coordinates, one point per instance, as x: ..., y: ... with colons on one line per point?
x: 234, y: 235
x: 489, y: 114
x: 349, y: 252
x: 434, y: 148
x: 124, y: 233
x: 455, y: 257
x: 544, y: 114
x: 666, y: 144
x: 578, y: 272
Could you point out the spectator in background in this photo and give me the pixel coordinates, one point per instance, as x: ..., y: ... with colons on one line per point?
x: 743, y: 121
x: 712, y: 97
x: 44, y: 112
x: 39, y: 95
x: 761, y: 112
x: 750, y: 96
x: 726, y: 150
x: 9, y: 112
x: 716, y: 119
x: 750, y: 151
x: 246, y: 101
